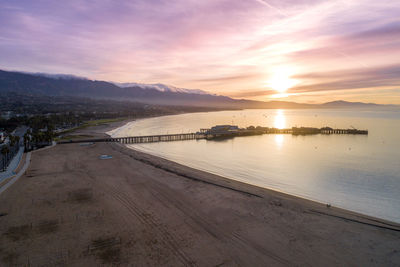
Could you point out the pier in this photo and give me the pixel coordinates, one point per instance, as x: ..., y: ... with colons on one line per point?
x: 156, y: 138
x: 218, y: 132
x: 141, y: 139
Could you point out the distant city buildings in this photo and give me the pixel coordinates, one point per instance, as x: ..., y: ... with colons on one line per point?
x: 6, y: 115
x: 10, y: 114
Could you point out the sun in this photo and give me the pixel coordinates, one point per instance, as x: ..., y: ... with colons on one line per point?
x: 280, y: 80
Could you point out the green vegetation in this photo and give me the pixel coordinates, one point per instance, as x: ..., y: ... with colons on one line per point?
x: 61, y: 112
x: 102, y: 121
x: 7, y: 151
x: 86, y: 124
x: 71, y: 137
x: 56, y: 117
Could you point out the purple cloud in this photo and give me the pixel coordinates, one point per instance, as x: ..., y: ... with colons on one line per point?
x: 222, y: 46
x: 351, y: 79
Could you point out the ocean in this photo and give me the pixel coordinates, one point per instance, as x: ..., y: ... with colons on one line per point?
x: 360, y: 173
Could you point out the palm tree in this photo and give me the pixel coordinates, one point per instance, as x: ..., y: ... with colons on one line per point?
x: 48, y: 136
x: 27, y: 141
x: 12, y: 140
x: 5, y: 150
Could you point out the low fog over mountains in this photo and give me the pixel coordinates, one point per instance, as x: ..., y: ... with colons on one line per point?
x: 162, y: 88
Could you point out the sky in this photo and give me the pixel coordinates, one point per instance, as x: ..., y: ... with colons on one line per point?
x: 306, y: 51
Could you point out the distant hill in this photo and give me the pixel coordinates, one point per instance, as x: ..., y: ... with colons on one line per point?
x: 34, y: 84
x: 162, y: 88
x: 345, y: 104
x: 38, y: 84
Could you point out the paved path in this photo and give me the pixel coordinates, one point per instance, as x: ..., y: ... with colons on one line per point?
x: 10, y: 171
x: 20, y: 173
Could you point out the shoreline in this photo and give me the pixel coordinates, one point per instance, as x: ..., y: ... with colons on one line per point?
x: 73, y: 208
x: 252, y: 190
x: 182, y: 170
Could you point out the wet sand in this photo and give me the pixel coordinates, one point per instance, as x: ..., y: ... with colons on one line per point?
x: 73, y: 208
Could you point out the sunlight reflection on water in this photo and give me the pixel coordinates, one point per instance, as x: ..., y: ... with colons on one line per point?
x: 360, y: 173
x: 279, y: 140
x: 279, y: 119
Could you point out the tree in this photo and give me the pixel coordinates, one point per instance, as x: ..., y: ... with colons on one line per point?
x: 5, y: 150
x: 27, y: 140
x: 48, y: 135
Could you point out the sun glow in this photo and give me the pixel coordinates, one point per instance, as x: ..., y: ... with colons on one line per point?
x: 280, y: 80
x: 279, y: 140
x: 279, y: 119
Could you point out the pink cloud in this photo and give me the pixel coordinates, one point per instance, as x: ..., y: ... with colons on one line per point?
x: 221, y: 46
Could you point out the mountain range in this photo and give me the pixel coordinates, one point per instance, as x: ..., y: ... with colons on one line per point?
x: 162, y: 88
x: 68, y: 85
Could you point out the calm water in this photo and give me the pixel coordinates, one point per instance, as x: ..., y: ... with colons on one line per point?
x: 359, y: 173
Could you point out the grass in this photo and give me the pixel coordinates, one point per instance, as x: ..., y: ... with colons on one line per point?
x: 70, y: 137
x: 98, y: 122
x: 93, y: 123
x: 102, y: 121
x: 65, y: 134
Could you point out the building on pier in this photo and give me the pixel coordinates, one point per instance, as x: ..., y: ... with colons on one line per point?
x: 224, y: 129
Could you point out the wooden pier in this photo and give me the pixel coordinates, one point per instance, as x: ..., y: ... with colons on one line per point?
x: 157, y: 138
x: 209, y: 135
x: 141, y: 139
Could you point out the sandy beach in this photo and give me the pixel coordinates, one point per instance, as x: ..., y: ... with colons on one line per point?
x: 72, y: 208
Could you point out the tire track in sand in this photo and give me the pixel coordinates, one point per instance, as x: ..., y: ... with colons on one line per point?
x: 219, y: 233
x: 166, y: 238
